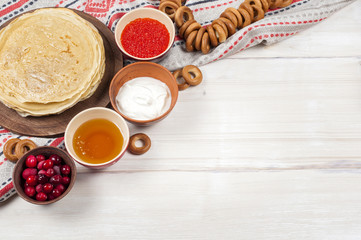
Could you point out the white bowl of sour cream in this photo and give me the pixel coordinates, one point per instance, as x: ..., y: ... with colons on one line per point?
x: 143, y: 92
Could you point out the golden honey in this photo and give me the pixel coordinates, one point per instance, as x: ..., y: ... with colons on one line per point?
x: 97, y: 141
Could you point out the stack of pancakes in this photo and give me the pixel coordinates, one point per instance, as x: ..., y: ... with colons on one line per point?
x: 50, y: 60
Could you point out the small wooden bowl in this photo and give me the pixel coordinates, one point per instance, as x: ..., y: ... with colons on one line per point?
x: 46, y: 151
x: 143, y: 69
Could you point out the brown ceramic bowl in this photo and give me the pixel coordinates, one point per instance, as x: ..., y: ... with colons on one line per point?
x: 143, y: 69
x: 46, y: 151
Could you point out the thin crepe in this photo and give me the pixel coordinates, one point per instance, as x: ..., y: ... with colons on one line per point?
x: 50, y: 59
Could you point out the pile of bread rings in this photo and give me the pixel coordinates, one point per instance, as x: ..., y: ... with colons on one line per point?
x: 15, y: 148
x: 200, y: 38
x: 191, y: 75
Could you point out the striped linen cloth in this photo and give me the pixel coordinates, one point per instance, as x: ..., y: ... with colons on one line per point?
x: 277, y: 25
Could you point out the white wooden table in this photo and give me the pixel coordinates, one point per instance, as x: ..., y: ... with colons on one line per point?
x: 267, y: 147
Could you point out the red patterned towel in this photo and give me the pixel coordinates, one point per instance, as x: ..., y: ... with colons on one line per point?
x: 277, y: 25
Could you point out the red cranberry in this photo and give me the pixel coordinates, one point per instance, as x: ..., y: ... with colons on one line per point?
x: 51, y: 196
x: 57, y: 169
x: 65, y: 181
x: 40, y: 157
x: 40, y: 164
x: 26, y: 185
x: 32, y: 180
x: 65, y: 169
x: 28, y: 172
x: 29, y: 191
x: 48, y: 187
x: 50, y: 172
x: 41, y: 196
x: 56, y: 159
x: 55, y: 180
x: 48, y: 164
x: 31, y: 161
x: 39, y: 188
x: 56, y: 192
x: 61, y: 188
x: 42, y: 179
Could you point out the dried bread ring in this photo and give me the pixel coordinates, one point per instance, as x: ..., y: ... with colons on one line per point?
x: 181, y: 85
x: 212, y: 36
x: 168, y: 11
x: 251, y: 2
x: 192, y: 74
x: 169, y: 8
x: 221, y: 23
x: 246, y: 6
x: 185, y: 27
x: 261, y: 3
x: 236, y: 13
x: 258, y: 13
x: 230, y: 16
x: 24, y: 146
x: 230, y: 27
x: 139, y: 150
x: 221, y: 35
x: 190, y: 41
x: 265, y: 5
x: 194, y: 26
x: 182, y: 15
x: 246, y: 17
x: 205, y: 47
x: 9, y: 149
x: 198, y: 41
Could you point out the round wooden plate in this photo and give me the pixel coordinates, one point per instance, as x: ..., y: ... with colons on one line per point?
x: 55, y: 124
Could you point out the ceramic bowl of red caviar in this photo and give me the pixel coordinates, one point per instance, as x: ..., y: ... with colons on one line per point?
x: 145, y: 34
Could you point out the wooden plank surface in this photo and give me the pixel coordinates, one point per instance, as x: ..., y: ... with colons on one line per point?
x: 198, y: 205
x: 267, y: 147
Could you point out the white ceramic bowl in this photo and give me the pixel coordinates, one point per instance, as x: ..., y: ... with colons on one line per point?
x: 145, y: 13
x: 94, y: 113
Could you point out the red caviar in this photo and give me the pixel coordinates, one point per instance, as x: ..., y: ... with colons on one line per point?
x: 145, y: 38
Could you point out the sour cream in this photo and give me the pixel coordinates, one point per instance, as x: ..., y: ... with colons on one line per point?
x: 143, y: 98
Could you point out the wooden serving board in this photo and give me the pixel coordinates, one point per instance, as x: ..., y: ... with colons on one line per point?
x: 53, y: 125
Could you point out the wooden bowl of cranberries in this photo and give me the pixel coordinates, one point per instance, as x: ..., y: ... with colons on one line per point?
x: 44, y: 175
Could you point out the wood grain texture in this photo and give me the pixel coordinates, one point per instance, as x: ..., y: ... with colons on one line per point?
x: 55, y: 124
x: 197, y: 205
x: 266, y: 148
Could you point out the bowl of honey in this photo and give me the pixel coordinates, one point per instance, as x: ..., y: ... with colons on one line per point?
x: 97, y: 137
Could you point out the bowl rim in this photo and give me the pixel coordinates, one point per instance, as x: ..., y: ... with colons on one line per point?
x: 110, y: 162
x: 20, y: 163
x: 171, y: 34
x: 141, y: 122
